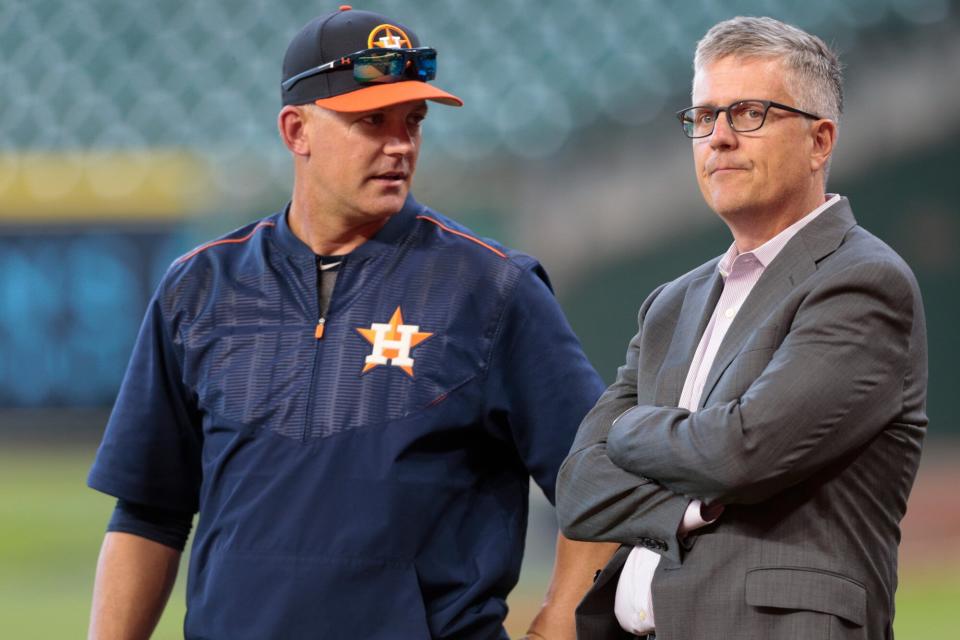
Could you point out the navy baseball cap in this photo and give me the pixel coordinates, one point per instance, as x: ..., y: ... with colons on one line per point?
x: 336, y: 36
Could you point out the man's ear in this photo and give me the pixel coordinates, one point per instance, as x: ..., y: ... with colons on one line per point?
x: 292, y: 123
x: 824, y: 134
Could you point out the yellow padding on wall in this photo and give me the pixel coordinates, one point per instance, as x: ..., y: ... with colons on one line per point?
x: 147, y: 184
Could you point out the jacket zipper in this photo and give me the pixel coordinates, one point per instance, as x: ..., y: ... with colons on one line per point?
x: 318, y: 336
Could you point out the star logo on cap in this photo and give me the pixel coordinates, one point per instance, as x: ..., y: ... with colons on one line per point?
x: 388, y: 36
x: 392, y: 343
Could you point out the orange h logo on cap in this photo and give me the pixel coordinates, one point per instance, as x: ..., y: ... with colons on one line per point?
x: 388, y: 36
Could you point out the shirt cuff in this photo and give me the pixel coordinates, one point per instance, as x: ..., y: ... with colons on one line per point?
x: 697, y: 516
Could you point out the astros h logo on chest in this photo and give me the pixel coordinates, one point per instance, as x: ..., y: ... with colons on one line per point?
x: 392, y: 343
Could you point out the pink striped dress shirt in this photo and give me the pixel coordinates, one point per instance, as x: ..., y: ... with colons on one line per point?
x: 740, y: 272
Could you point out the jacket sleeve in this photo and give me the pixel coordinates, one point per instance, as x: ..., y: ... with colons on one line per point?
x: 600, y: 501
x: 833, y: 384
x: 151, y: 449
x: 540, y: 383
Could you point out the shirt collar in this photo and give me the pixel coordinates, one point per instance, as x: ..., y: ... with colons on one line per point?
x: 769, y: 250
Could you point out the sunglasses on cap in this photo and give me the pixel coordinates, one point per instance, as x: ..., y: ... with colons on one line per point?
x: 378, y: 65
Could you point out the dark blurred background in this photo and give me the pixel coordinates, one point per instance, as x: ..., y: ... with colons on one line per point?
x: 131, y: 132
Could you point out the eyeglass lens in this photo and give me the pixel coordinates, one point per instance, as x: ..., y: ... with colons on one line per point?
x: 743, y: 116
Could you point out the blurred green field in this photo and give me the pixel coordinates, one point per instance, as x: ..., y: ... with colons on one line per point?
x: 51, y: 526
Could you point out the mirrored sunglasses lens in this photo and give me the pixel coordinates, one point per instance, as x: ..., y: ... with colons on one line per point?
x: 426, y: 64
x: 386, y: 67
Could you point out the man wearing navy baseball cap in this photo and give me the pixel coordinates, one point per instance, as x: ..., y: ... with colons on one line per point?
x: 353, y: 393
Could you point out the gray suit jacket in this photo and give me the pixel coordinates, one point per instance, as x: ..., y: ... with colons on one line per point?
x: 809, y: 430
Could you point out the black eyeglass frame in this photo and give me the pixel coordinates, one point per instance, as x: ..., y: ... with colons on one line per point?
x: 716, y: 111
x: 348, y: 61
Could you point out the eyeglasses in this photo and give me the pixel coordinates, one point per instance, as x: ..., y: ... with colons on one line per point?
x: 742, y: 116
x: 378, y: 65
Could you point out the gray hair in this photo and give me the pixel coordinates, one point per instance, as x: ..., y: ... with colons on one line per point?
x: 814, y: 76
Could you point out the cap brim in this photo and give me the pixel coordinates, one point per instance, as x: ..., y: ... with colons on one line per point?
x: 379, y: 96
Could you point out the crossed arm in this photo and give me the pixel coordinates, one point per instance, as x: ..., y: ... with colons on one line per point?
x: 601, y: 501
x: 833, y: 384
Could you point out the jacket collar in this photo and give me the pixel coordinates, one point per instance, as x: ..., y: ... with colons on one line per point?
x: 397, y: 227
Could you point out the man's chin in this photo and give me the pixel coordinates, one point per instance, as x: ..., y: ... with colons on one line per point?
x: 725, y: 203
x: 386, y: 205
x: 730, y: 209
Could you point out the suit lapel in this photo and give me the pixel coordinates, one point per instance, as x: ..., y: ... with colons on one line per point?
x: 795, y: 262
x: 698, y: 303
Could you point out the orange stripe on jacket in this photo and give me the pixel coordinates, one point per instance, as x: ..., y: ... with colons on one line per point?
x: 464, y: 235
x: 204, y: 247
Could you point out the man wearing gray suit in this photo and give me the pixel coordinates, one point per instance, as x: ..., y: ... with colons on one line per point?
x: 755, y: 454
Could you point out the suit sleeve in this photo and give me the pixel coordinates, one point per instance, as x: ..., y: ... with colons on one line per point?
x: 833, y: 384
x: 600, y: 501
x: 540, y: 383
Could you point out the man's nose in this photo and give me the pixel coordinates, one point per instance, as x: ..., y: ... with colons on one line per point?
x: 400, y: 141
x: 723, y: 134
